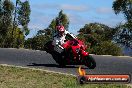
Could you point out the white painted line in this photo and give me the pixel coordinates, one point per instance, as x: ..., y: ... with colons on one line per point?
x: 9, y: 48
x: 91, y: 54
x: 111, y: 55
x: 39, y: 69
x: 125, y: 56
x: 100, y: 55
x: 106, y: 55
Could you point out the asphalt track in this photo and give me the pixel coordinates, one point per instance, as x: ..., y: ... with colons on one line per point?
x: 43, y: 60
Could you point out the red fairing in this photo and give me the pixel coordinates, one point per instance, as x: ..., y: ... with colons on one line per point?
x: 67, y: 44
x: 84, y: 53
x: 84, y: 47
x: 81, y: 46
x: 74, y: 50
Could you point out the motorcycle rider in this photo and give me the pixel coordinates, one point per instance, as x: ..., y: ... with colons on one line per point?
x: 59, y: 37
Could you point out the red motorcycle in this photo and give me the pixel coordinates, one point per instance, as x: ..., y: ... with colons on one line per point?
x: 74, y: 53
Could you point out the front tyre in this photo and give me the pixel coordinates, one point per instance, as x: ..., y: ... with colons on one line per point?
x: 90, y: 62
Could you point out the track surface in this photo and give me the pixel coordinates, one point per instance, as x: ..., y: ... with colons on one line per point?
x: 43, y: 60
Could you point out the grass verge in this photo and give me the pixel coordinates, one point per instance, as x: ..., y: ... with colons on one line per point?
x: 14, y: 77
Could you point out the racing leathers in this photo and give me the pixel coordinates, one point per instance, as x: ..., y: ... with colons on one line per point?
x: 59, y: 40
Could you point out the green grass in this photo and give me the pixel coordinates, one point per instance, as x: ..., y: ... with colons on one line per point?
x: 14, y: 77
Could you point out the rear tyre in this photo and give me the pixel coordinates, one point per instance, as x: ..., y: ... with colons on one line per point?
x: 48, y: 46
x: 90, y: 62
x: 58, y: 58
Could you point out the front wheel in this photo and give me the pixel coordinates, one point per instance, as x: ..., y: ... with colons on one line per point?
x: 90, y: 62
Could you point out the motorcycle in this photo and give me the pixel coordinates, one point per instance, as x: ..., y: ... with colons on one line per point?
x: 74, y: 53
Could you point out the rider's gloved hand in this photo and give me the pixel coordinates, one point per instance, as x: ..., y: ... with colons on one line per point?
x: 61, y: 47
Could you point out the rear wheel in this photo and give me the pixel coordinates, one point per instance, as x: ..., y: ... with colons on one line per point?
x: 90, y: 62
x: 48, y: 46
x: 59, y: 59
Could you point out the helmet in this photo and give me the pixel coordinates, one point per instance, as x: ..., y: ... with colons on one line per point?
x: 60, y: 29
